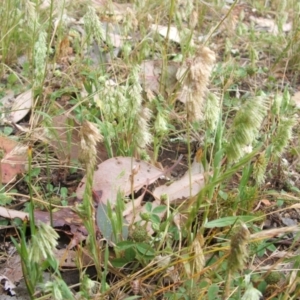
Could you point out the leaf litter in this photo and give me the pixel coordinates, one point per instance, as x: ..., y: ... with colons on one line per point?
x: 121, y: 174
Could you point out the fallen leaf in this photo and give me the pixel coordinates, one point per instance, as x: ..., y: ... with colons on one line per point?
x: 12, y: 214
x: 187, y: 186
x: 14, y: 160
x: 123, y: 174
x: 7, y: 144
x: 151, y: 76
x: 266, y: 202
x: 17, y: 108
x: 60, y: 218
x: 7, y: 285
x: 269, y: 25
x: 169, y: 32
x: 266, y: 234
x: 69, y: 258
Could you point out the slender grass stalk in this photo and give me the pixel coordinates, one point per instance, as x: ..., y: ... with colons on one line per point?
x: 89, y: 138
x: 31, y: 203
x: 48, y: 183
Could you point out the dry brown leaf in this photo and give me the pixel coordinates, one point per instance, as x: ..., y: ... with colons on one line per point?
x: 124, y: 174
x: 13, y: 268
x: 12, y: 214
x: 151, y: 76
x: 266, y: 202
x: 7, y: 144
x: 269, y: 25
x: 14, y: 160
x: 60, y: 218
x: 265, y: 234
x: 68, y: 258
x: 187, y: 186
x: 21, y: 106
x: 169, y: 32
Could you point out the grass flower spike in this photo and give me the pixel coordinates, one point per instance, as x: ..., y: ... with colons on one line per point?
x: 40, y: 54
x: 90, y: 136
x: 195, y: 77
x: 238, y: 248
x: 212, y: 111
x: 246, y: 125
x: 43, y: 243
x: 283, y: 135
x: 259, y: 168
x: 237, y: 255
x: 143, y: 134
x: 93, y: 26
x: 58, y: 289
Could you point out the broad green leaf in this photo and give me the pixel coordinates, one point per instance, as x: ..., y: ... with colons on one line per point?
x: 213, y: 292
x: 159, y: 209
x: 105, y: 224
x: 155, y: 219
x: 227, y: 221
x: 125, y: 245
x: 148, y: 206
x: 145, y: 249
x: 130, y: 254
x: 119, y: 262
x: 223, y: 195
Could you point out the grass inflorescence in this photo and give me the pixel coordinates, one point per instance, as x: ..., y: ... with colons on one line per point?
x: 151, y: 80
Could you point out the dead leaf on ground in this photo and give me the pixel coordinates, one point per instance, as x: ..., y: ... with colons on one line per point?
x: 63, y: 217
x: 69, y: 258
x: 171, y: 32
x: 15, y: 109
x: 12, y: 214
x: 12, y: 268
x: 125, y: 175
x: 14, y: 160
x: 151, y: 76
x: 270, y: 25
x: 187, y: 186
x: 120, y: 174
x: 7, y: 285
x: 265, y: 234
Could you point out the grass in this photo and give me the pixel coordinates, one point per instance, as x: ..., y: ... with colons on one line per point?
x: 236, y: 81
